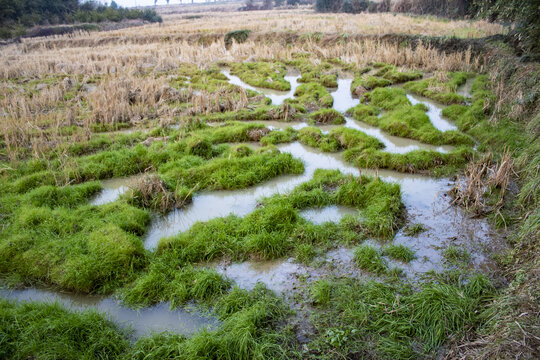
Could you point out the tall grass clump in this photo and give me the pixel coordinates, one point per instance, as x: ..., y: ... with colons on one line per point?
x: 368, y: 258
x: 391, y: 320
x: 50, y: 331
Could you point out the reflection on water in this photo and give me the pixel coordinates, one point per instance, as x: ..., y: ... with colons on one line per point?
x: 465, y: 89
x: 434, y: 112
x: 277, y: 275
x: 113, y: 188
x: 143, y: 321
x: 276, y: 96
x: 332, y: 213
x: 394, y: 144
x: 343, y: 99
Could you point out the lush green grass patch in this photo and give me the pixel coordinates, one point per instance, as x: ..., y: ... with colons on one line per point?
x: 441, y: 90
x: 262, y: 74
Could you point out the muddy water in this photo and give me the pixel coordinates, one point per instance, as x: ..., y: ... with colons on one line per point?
x: 343, y: 99
x: 465, y: 89
x: 329, y: 213
x: 212, y: 204
x: 277, y: 97
x: 434, y: 112
x: 113, y: 188
x: 394, y: 144
x: 277, y: 275
x: 425, y: 203
x: 144, y: 321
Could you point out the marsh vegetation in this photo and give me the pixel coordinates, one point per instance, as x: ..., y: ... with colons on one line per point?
x: 292, y: 195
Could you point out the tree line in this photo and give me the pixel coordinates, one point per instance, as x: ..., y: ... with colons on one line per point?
x: 18, y: 15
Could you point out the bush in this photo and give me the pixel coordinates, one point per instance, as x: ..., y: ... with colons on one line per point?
x: 240, y: 36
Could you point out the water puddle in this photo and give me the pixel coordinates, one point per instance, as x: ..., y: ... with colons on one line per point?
x: 280, y: 125
x: 212, y: 204
x: 113, y: 188
x: 343, y: 99
x: 465, y: 89
x: 427, y: 204
x: 277, y: 275
x: 157, y: 318
x: 277, y: 97
x: 328, y: 214
x: 434, y: 112
x: 394, y: 144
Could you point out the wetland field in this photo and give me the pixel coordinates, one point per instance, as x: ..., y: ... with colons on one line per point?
x: 270, y: 185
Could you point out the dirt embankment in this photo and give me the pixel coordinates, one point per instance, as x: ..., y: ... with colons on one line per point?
x: 477, y: 46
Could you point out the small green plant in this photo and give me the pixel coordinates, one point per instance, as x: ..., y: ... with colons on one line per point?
x: 414, y: 229
x: 321, y: 292
x: 454, y: 255
x: 399, y: 252
x: 337, y: 337
x: 304, y: 253
x: 368, y: 258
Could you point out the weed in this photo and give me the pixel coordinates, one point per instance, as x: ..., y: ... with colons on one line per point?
x: 455, y: 255
x: 262, y: 74
x: 49, y: 331
x: 368, y: 258
x: 414, y: 229
x: 399, y: 252
x: 327, y: 116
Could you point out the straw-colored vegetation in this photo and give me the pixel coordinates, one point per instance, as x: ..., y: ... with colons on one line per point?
x: 155, y: 102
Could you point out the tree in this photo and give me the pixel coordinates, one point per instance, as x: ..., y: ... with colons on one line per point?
x: 328, y: 5
x: 267, y: 4
x: 114, y: 5
x: 525, y: 15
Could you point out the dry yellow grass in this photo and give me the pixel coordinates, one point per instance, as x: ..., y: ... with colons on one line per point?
x: 128, y: 65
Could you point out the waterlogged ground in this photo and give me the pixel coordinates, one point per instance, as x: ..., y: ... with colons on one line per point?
x: 197, y: 209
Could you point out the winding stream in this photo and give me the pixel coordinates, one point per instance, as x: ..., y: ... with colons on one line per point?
x: 157, y: 318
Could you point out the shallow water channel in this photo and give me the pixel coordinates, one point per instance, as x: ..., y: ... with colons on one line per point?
x: 145, y: 321
x: 424, y: 198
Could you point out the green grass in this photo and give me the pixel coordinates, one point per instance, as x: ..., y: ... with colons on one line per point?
x: 414, y: 229
x: 369, y: 82
x: 49, y: 331
x: 312, y: 96
x: 417, y: 161
x: 250, y: 328
x: 399, y: 252
x: 262, y: 74
x: 280, y: 136
x: 327, y: 116
x: 274, y: 230
x: 441, y: 91
x: 455, y: 255
x: 368, y: 258
x: 338, y: 139
x: 387, y: 320
x: 384, y: 75
x: 323, y: 74
x: 404, y: 120
x: 229, y: 172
